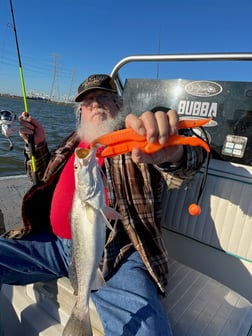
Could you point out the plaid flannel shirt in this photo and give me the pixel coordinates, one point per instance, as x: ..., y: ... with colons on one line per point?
x: 134, y: 190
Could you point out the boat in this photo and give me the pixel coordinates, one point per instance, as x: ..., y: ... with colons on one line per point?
x: 209, y: 290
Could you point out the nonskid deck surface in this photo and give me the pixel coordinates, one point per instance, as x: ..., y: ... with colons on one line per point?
x: 195, y: 304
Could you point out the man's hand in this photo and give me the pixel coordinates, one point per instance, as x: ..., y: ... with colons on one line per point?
x: 29, y: 126
x: 156, y: 127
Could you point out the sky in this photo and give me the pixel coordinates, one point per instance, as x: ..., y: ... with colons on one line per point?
x: 61, y: 42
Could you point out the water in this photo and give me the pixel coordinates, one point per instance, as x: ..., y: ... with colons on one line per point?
x: 57, y: 119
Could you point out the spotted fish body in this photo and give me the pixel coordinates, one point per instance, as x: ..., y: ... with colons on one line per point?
x: 88, y: 224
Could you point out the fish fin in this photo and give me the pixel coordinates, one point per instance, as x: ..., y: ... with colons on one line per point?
x: 98, y: 281
x: 110, y: 213
x: 89, y: 212
x: 78, y: 326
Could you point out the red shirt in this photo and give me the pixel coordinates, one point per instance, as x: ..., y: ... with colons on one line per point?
x: 63, y: 198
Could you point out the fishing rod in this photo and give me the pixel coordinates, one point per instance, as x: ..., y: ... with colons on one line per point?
x: 30, y: 136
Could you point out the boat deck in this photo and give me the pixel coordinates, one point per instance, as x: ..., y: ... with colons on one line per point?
x: 196, y: 303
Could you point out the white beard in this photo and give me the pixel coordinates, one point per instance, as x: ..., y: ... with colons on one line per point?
x: 88, y: 132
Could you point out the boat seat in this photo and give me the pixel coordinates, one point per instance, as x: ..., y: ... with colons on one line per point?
x: 218, y: 242
x: 225, y: 222
x: 195, y: 303
x: 198, y: 305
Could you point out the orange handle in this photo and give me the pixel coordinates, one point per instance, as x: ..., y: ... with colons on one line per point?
x: 176, y: 140
x: 125, y: 140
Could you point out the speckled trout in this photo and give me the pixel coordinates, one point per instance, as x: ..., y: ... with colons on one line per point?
x: 89, y: 217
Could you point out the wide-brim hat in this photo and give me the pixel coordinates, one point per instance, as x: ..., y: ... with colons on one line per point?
x: 100, y: 81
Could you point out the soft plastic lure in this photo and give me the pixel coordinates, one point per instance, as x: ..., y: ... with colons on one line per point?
x: 123, y: 141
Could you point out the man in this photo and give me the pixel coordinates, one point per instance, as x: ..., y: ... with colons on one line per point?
x: 135, y: 259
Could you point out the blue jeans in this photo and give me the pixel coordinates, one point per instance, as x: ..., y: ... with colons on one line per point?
x: 128, y: 305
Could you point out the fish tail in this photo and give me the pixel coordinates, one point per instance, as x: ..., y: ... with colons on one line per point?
x: 78, y: 327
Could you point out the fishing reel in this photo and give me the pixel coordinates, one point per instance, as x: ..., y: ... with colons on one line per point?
x: 6, y: 123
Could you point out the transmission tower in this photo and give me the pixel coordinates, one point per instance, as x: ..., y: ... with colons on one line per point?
x: 70, y: 93
x: 55, y: 94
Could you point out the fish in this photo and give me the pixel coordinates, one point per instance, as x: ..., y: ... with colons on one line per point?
x: 89, y: 218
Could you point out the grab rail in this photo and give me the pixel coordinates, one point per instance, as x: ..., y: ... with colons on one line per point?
x: 245, y: 56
